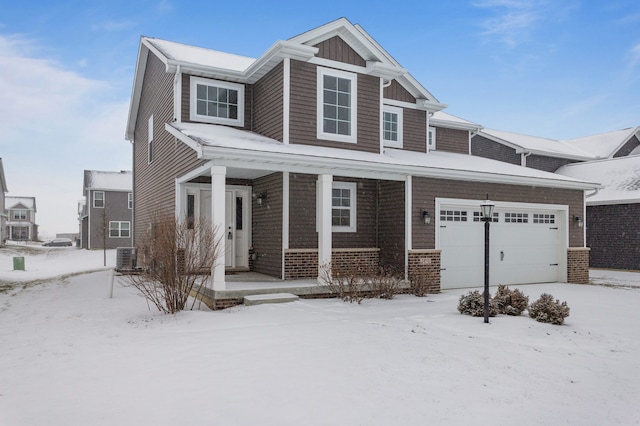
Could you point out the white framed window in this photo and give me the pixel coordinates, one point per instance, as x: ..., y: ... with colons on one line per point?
x: 130, y: 200
x: 477, y: 217
x: 98, y: 199
x: 119, y: 229
x: 431, y: 138
x: 343, y: 207
x: 150, y: 139
x: 453, y: 215
x: 516, y: 217
x: 337, y: 106
x: 392, y: 126
x: 218, y: 102
x: 19, y: 214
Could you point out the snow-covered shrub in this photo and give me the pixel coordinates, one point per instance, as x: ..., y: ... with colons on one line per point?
x: 385, y: 284
x: 472, y: 304
x: 510, y: 302
x: 548, y: 310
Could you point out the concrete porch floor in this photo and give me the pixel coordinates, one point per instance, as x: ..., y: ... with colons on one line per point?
x: 240, y: 284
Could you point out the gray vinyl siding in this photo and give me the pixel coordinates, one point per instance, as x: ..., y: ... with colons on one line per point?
x: 426, y: 190
x: 303, y: 115
x: 613, y: 239
x: 626, y: 149
x: 414, y: 123
x: 268, y: 104
x: 391, y: 224
x: 267, y: 225
x: 115, y: 209
x: 484, y: 147
x: 154, y: 184
x: 548, y: 164
x: 452, y: 140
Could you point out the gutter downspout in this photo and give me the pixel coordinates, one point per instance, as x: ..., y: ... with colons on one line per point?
x: 523, y: 158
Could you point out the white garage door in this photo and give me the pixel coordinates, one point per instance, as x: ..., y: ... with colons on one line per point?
x: 524, y: 245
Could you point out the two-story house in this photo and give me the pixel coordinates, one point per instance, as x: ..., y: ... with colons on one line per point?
x: 106, y: 212
x: 3, y: 215
x: 325, y: 150
x: 21, y: 221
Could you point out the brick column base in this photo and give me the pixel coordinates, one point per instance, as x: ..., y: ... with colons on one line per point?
x: 425, y: 265
x: 578, y: 265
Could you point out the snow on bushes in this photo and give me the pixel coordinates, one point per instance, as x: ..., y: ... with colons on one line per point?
x: 510, y: 302
x: 548, y: 310
x: 472, y: 304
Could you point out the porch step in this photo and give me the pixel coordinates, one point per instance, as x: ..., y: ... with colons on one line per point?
x: 259, y: 299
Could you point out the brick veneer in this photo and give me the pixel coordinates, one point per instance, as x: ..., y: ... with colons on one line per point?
x: 578, y: 265
x: 425, y: 264
x: 303, y: 263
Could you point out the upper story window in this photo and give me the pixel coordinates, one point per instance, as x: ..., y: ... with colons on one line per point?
x: 392, y: 126
x: 431, y: 138
x: 217, y: 102
x: 19, y: 214
x: 337, y: 94
x: 130, y: 200
x: 98, y: 199
x: 343, y: 207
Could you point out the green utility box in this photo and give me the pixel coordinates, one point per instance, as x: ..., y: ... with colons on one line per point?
x: 18, y: 263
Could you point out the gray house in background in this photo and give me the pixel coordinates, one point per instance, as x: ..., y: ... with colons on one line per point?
x: 105, y: 214
x: 3, y: 215
x: 21, y: 220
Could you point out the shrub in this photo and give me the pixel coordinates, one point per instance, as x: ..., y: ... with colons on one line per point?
x: 419, y: 284
x: 385, y: 284
x: 472, y: 304
x: 510, y: 302
x: 360, y: 283
x: 548, y: 310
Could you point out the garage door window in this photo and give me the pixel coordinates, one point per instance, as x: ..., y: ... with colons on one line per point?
x: 477, y: 217
x: 544, y: 218
x: 516, y: 217
x: 453, y: 215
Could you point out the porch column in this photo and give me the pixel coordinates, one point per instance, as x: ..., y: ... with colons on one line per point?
x: 323, y: 206
x: 408, y: 230
x: 218, y: 208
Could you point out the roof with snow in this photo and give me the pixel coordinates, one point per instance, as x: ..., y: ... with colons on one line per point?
x: 620, y: 178
x: 605, y: 145
x: 3, y: 181
x: 537, y: 145
x: 108, y: 181
x: 243, y: 149
x: 26, y: 202
x: 441, y: 118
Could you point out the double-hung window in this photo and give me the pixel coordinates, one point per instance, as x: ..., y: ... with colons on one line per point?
x: 336, y: 114
x: 218, y: 102
x: 343, y: 207
x: 431, y: 138
x: 119, y: 229
x: 130, y: 200
x: 392, y: 126
x: 98, y: 199
x: 19, y: 214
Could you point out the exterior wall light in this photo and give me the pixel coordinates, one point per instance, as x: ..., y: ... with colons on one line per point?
x: 426, y: 217
x: 261, y: 197
x: 578, y: 221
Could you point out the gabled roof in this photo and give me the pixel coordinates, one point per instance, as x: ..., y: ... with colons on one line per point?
x: 537, y: 145
x: 620, y: 178
x: 20, y: 202
x: 241, y: 149
x: 212, y: 64
x: 3, y: 181
x: 443, y: 119
x: 108, y: 181
x: 605, y: 145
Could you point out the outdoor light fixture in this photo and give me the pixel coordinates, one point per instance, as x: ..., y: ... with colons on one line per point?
x: 578, y: 221
x: 426, y: 217
x: 262, y: 197
x: 486, y: 210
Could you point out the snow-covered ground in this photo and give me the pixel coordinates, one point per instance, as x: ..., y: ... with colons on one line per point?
x: 69, y: 355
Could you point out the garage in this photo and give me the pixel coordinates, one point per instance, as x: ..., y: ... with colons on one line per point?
x: 528, y: 243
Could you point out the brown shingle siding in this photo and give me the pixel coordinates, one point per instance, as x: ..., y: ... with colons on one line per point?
x: 484, y: 147
x: 452, y: 140
x: 336, y: 49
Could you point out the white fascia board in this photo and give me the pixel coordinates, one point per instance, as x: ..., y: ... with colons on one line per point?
x: 613, y: 202
x: 454, y: 125
x: 521, y: 150
x: 430, y: 106
x: 184, y: 138
x: 388, y: 72
x: 136, y: 91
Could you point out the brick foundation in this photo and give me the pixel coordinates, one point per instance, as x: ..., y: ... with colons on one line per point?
x: 303, y: 263
x: 578, y: 265
x: 425, y: 265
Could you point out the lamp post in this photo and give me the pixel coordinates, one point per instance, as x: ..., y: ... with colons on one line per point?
x: 486, y: 209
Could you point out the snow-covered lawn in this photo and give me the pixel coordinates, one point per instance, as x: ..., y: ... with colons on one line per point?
x: 69, y: 355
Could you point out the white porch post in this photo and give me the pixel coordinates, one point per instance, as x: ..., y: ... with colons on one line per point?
x: 323, y: 206
x: 408, y: 234
x: 218, y: 208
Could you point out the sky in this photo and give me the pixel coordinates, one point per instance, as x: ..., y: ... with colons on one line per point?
x: 557, y: 69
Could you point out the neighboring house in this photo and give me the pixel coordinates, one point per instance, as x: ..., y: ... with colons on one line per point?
x: 612, y: 231
x: 325, y: 150
x: 3, y: 214
x: 21, y: 221
x: 105, y: 214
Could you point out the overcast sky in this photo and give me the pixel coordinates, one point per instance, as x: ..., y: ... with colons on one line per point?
x: 556, y: 68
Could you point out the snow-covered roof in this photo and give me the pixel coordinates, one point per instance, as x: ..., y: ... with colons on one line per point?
x: 243, y: 149
x: 27, y: 202
x: 620, y: 178
x: 108, y: 181
x: 605, y: 145
x: 444, y: 119
x: 537, y: 145
x: 3, y: 181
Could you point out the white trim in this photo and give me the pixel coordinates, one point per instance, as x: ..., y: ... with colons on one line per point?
x: 177, y: 95
x: 193, y: 111
x: 431, y: 146
x: 392, y: 110
x: 353, y: 78
x: 150, y: 150
x: 218, y: 218
x: 353, y: 210
x: 104, y: 201
x: 286, y: 101
x: 119, y: 222
x: 400, y: 104
x: 328, y: 63
x: 285, y: 217
x: 324, y: 186
x: 408, y: 224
